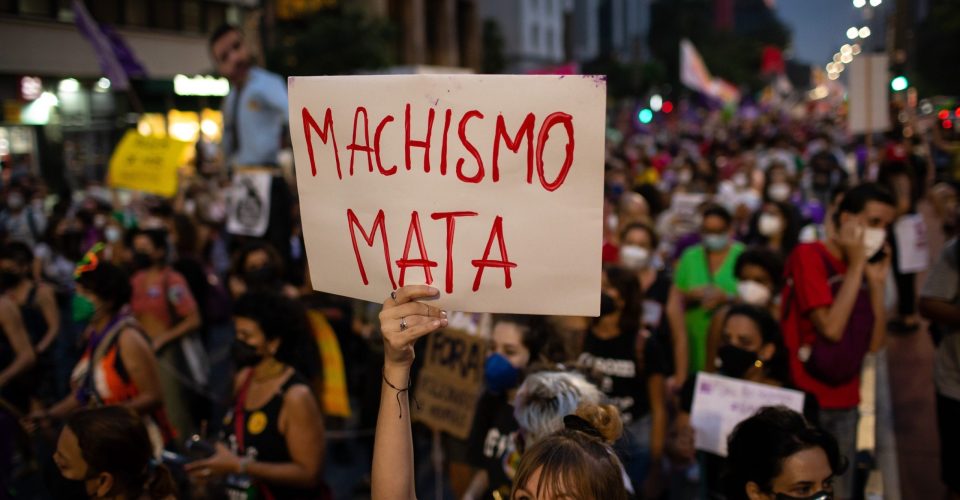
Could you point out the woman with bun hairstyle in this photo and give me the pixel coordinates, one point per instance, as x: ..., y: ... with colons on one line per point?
x: 578, y: 461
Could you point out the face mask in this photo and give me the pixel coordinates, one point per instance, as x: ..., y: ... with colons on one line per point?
x: 498, y: 374
x: 634, y: 257
x: 753, y: 293
x: 739, y: 179
x: 112, y: 234
x: 82, y: 309
x: 141, y: 261
x: 260, y: 277
x: 769, y: 225
x: 245, y: 355
x: 9, y: 279
x: 607, y: 305
x: 15, y: 201
x: 873, y: 240
x: 734, y: 361
x: 820, y: 495
x: 779, y: 191
x: 715, y: 242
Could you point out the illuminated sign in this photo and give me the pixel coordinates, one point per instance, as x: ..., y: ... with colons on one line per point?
x: 200, y: 85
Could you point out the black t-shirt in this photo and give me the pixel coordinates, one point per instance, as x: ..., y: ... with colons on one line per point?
x: 654, y: 317
x: 492, y: 442
x: 613, y: 365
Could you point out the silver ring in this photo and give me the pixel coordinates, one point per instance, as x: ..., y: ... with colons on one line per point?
x: 393, y: 295
x: 403, y: 324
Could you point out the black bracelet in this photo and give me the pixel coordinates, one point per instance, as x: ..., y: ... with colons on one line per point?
x: 400, y: 391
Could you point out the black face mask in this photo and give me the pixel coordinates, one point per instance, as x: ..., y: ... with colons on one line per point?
x: 820, y: 495
x: 735, y: 361
x: 264, y: 277
x: 245, y: 355
x: 607, y: 305
x: 141, y: 261
x: 9, y: 279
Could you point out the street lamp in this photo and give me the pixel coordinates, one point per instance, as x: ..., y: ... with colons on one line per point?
x: 853, y: 33
x: 859, y: 3
x: 864, y: 32
x: 846, y: 58
x: 875, y: 3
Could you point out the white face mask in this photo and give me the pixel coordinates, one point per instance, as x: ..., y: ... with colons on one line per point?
x: 112, y: 234
x: 739, y: 179
x: 634, y: 257
x: 769, y: 225
x: 753, y: 293
x: 779, y: 191
x: 873, y: 240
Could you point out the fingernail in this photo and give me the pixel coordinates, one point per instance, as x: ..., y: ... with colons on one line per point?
x: 444, y: 322
x: 443, y: 313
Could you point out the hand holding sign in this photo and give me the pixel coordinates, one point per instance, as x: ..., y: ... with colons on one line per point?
x: 403, y: 320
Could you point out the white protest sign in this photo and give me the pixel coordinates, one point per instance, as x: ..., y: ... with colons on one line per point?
x: 868, y: 94
x: 489, y: 188
x: 720, y: 403
x: 913, y: 253
x: 249, y: 212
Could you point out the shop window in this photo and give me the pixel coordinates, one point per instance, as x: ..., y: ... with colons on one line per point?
x: 216, y: 15
x: 34, y: 7
x: 136, y: 13
x: 166, y: 14
x: 191, y: 16
x: 105, y: 11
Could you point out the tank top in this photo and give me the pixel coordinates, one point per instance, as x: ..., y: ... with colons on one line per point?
x: 109, y: 383
x: 260, y: 439
x: 33, y: 319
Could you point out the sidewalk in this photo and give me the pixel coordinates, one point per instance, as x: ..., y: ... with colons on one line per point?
x: 911, y: 374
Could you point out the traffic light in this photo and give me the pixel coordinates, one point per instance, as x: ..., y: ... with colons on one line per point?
x: 899, y: 83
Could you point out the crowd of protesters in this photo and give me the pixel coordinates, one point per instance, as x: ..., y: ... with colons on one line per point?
x: 146, y: 352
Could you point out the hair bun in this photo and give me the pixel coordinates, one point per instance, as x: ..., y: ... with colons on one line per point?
x: 604, y: 419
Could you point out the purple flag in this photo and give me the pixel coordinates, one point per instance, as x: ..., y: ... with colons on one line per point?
x: 117, y: 61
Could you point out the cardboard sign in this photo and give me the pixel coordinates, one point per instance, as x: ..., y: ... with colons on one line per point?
x: 147, y: 164
x: 913, y: 252
x: 868, y: 94
x: 249, y: 212
x: 450, y: 382
x: 720, y: 403
x: 487, y: 187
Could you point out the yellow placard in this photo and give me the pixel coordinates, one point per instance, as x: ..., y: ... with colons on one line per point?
x: 147, y: 164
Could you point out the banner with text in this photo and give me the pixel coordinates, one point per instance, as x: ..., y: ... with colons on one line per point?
x: 720, y: 403
x: 488, y: 188
x: 450, y: 382
x: 147, y: 164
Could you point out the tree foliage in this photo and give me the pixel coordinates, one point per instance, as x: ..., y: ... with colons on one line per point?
x: 733, y: 55
x: 333, y: 41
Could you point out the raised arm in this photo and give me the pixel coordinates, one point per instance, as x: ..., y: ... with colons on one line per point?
x: 403, y: 320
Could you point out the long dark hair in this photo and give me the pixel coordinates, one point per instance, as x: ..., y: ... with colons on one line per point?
x: 114, y: 440
x: 281, y: 317
x: 631, y: 293
x: 759, y: 445
x: 538, y: 336
x: 777, y: 367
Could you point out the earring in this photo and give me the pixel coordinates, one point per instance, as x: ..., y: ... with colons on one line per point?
x: 758, y: 363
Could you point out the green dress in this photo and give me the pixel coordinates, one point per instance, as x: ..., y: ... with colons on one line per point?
x: 692, y: 272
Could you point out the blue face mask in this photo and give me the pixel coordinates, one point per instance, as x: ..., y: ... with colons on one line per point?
x: 715, y: 242
x: 499, y: 375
